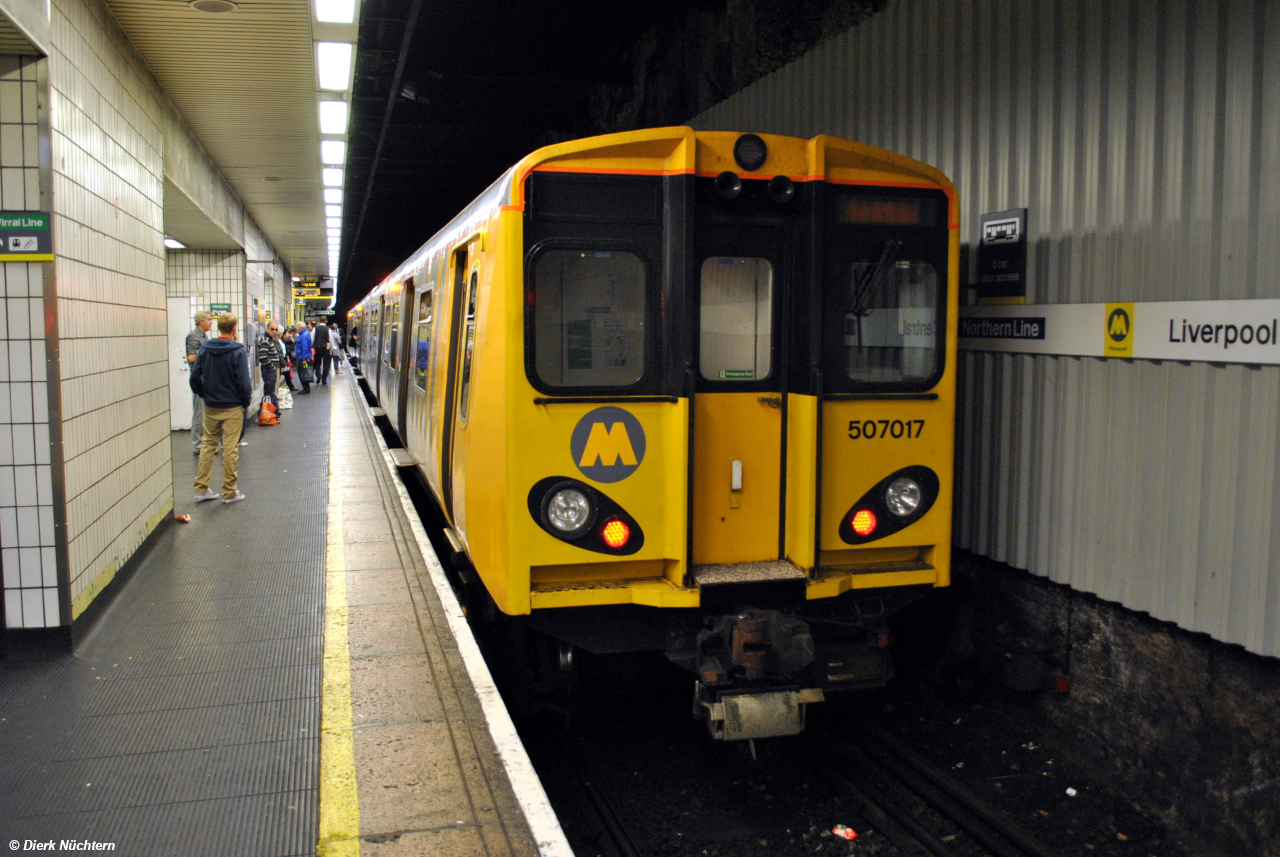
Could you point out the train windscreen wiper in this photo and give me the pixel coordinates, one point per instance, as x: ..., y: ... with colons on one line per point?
x: 865, y: 284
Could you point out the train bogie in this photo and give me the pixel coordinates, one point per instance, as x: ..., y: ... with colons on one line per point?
x: 691, y: 392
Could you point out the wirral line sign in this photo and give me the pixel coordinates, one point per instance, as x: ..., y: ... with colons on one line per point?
x: 24, y: 237
x: 1245, y: 331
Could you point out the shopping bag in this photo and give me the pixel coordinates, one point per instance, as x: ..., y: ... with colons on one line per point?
x: 285, y: 398
x: 267, y: 414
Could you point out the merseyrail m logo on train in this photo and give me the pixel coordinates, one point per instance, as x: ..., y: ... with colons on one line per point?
x: 607, y: 444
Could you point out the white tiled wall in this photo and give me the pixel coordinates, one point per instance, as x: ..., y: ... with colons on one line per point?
x: 107, y: 149
x: 27, y: 539
x: 209, y: 276
x: 104, y: 115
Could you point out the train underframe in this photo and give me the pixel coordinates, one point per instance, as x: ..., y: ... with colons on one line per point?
x: 758, y: 654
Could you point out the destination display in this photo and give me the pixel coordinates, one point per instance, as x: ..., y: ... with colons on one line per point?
x: 1243, y: 331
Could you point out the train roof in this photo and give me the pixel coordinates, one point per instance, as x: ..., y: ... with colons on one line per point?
x: 675, y: 148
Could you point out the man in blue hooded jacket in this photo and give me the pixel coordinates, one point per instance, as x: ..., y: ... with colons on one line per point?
x: 220, y: 376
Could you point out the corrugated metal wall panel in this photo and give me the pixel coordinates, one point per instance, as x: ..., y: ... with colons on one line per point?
x: 1144, y: 138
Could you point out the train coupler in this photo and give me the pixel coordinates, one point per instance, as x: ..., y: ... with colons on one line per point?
x: 743, y: 715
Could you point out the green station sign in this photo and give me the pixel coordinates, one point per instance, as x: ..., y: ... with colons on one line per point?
x: 25, y: 237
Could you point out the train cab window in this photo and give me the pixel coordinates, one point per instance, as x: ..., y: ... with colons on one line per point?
x: 589, y: 318
x: 735, y: 337
x: 891, y: 320
x: 422, y: 351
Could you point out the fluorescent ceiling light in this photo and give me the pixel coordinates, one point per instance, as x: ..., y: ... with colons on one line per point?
x: 333, y: 152
x: 333, y: 211
x: 333, y: 117
x: 174, y: 244
x: 336, y: 11
x: 332, y: 176
x: 333, y: 221
x: 334, y: 232
x: 333, y: 62
x: 296, y: 279
x: 333, y: 195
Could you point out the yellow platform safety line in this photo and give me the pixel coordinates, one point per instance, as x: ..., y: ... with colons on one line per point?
x: 339, y: 801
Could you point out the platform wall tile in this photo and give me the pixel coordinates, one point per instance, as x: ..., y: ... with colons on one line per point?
x: 26, y: 513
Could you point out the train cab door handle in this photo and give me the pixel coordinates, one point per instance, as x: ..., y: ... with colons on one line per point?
x: 771, y: 401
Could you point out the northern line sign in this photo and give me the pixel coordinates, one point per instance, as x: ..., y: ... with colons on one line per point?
x: 1244, y: 331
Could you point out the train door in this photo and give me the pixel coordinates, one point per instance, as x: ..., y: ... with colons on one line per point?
x: 741, y: 367
x: 419, y: 370
x: 373, y: 368
x: 462, y: 333
x: 403, y: 356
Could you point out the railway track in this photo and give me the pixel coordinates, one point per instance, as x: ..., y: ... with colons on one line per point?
x: 620, y: 839
x: 902, y: 780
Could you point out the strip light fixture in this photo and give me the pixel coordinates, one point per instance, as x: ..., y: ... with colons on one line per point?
x: 334, y: 28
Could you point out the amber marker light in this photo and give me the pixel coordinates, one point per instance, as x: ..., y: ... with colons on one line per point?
x: 616, y: 534
x: 864, y: 522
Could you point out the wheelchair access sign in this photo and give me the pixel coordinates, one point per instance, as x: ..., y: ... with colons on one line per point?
x: 24, y: 237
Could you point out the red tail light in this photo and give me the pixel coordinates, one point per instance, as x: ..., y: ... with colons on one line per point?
x: 616, y: 534
x: 864, y: 522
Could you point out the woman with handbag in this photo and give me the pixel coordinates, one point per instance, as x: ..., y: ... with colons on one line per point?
x: 288, y: 341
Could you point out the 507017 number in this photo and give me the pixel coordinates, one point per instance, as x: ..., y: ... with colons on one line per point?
x: 896, y: 429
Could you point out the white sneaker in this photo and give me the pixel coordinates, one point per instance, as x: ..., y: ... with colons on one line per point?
x: 208, y: 495
x: 244, y: 443
x: 234, y: 498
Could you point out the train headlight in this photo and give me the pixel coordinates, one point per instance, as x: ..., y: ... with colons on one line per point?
x: 569, y: 511
x: 902, y: 497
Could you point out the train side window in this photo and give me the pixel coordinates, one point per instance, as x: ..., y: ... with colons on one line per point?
x: 469, y: 348
x: 422, y: 351
x: 735, y: 337
x: 891, y: 320
x: 589, y: 318
x: 393, y: 336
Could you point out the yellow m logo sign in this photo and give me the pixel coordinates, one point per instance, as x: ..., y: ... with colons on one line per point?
x: 609, y: 445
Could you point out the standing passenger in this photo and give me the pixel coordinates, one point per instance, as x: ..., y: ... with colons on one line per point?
x: 303, y: 353
x: 220, y: 376
x: 271, y: 359
x: 323, y: 357
x: 196, y: 338
x: 335, y: 338
x: 289, y: 341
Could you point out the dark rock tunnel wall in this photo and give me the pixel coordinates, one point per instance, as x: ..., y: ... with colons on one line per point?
x: 1187, y: 727
x: 712, y: 49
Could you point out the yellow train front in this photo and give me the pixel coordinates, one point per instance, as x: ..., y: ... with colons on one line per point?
x: 694, y: 393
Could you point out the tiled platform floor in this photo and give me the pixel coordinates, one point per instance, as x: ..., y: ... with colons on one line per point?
x: 188, y: 722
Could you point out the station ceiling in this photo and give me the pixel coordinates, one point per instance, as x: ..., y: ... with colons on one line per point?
x: 245, y: 83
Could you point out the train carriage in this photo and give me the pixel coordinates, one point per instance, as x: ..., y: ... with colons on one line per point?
x: 690, y: 392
